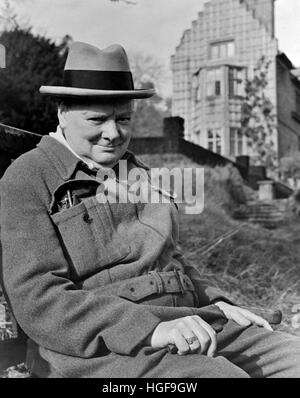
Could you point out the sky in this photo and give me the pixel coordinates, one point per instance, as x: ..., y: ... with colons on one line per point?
x: 151, y: 26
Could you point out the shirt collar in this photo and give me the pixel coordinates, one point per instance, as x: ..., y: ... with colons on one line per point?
x: 66, y: 161
x: 59, y: 136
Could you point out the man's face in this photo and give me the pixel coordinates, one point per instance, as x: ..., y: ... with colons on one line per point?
x: 98, y: 131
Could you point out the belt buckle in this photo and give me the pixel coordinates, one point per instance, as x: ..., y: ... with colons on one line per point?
x: 177, y: 275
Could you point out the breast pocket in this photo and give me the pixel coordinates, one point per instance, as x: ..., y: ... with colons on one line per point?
x: 89, y: 237
x: 161, y: 214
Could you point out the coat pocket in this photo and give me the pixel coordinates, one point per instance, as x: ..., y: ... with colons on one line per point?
x: 89, y: 237
x: 161, y: 215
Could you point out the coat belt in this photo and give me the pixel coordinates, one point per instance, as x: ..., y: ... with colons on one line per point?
x: 138, y: 288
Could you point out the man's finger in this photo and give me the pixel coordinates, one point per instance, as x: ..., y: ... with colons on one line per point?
x: 240, y: 319
x: 188, y: 334
x: 256, y: 319
x: 205, y: 327
x: 180, y: 342
x: 213, y: 346
x: 201, y: 333
x: 193, y: 342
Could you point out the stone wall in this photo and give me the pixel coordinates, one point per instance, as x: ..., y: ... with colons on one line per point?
x: 173, y: 130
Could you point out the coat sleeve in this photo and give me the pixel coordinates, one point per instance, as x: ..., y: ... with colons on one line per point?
x: 50, y: 309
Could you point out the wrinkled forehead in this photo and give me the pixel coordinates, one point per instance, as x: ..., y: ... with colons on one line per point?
x: 99, y: 105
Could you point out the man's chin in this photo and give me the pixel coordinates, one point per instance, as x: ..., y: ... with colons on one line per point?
x: 108, y: 158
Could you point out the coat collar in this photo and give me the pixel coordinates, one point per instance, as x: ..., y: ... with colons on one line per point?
x: 66, y: 162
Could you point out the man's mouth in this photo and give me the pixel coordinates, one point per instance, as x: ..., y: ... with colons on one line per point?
x: 109, y: 147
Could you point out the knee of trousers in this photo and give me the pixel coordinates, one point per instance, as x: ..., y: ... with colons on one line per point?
x: 223, y: 368
x: 199, y: 366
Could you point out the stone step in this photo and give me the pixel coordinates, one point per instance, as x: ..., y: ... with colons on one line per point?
x: 267, y: 214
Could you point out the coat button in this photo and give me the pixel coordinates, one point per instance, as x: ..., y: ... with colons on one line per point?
x: 87, y: 218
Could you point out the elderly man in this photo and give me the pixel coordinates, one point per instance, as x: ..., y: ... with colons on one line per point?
x: 100, y: 288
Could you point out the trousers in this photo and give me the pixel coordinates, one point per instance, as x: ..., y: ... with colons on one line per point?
x: 242, y: 352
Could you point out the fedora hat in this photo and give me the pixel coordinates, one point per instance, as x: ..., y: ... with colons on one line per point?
x: 93, y: 73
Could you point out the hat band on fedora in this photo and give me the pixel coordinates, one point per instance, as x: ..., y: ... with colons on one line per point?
x: 99, y: 80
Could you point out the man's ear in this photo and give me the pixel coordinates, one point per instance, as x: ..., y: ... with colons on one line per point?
x: 61, y: 114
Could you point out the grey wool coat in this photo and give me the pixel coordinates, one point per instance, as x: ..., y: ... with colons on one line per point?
x: 69, y: 274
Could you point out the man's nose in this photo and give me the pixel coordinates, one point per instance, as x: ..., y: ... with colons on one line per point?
x: 110, y: 130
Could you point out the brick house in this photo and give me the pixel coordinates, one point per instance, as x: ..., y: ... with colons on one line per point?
x: 210, y: 67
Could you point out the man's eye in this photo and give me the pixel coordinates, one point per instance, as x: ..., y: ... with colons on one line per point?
x: 97, y: 119
x: 124, y: 120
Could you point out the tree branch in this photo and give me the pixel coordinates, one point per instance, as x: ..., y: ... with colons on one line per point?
x: 126, y: 1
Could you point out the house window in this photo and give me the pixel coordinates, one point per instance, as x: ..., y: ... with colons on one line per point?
x: 221, y: 50
x: 214, y: 141
x: 236, y: 142
x: 218, y: 88
x: 214, y: 82
x: 214, y: 52
x: 236, y: 82
x: 218, y: 144
x: 210, y: 140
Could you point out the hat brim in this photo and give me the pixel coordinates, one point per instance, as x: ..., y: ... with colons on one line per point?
x: 60, y: 91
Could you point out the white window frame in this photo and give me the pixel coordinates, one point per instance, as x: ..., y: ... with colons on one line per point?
x: 214, y: 78
x: 236, y: 81
x: 215, y: 140
x: 238, y: 142
x: 222, y: 49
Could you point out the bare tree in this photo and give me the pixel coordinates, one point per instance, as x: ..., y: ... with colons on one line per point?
x: 8, y: 16
x: 126, y: 1
x: 148, y: 73
x: 146, y: 69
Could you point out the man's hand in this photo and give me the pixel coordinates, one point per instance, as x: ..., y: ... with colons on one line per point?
x: 242, y: 316
x: 180, y: 330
